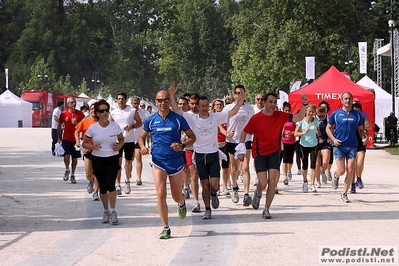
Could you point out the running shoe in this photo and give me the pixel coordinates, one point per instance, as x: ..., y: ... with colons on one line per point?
x: 305, y: 187
x: 106, y: 217
x: 344, y: 198
x: 207, y: 214
x: 335, y: 182
x: 73, y: 180
x: 197, y: 207
x: 128, y: 189
x: 313, y: 188
x: 255, y: 183
x: 318, y: 184
x: 235, y: 198
x: 323, y: 177
x: 256, y: 200
x: 225, y: 192
x: 329, y: 177
x: 66, y: 175
x: 114, y: 218
x: 139, y: 182
x: 266, y: 214
x: 165, y: 234
x: 289, y: 175
x: 215, y: 202
x: 90, y: 187
x: 285, y: 181
x: 353, y: 188
x: 182, y: 211
x: 247, y: 200
x: 186, y: 192
x: 118, y: 190
x: 229, y: 187
x: 359, y: 183
x: 95, y: 196
x: 276, y: 191
x: 299, y: 172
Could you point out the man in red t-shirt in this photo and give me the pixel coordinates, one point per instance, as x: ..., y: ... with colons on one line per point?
x: 70, y: 118
x: 266, y: 127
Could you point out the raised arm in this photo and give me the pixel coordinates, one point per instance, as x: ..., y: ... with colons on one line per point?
x: 172, y: 90
x: 298, y: 117
x: 234, y: 111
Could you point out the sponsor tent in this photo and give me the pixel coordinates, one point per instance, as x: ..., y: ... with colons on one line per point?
x: 383, y: 101
x: 14, y: 112
x: 329, y: 87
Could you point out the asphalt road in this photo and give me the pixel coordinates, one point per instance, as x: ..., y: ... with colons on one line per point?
x: 47, y: 221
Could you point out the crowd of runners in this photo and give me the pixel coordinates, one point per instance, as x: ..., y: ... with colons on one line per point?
x: 194, y: 141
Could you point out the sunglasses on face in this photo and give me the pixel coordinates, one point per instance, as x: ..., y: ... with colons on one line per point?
x: 237, y: 92
x: 260, y: 99
x: 164, y: 100
x: 72, y: 102
x: 218, y: 104
x: 103, y: 110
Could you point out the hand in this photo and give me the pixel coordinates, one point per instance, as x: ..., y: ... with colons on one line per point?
x: 173, y: 88
x: 176, y: 146
x: 337, y: 142
x: 116, y: 147
x: 304, y: 99
x: 96, y: 146
x: 128, y: 128
x: 230, y: 134
x: 144, y: 151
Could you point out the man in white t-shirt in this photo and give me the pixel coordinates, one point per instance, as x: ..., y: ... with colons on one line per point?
x: 139, y: 160
x: 54, y: 124
x: 128, y: 119
x: 205, y: 126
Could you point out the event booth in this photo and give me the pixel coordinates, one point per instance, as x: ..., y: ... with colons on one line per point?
x: 329, y: 87
x: 14, y: 112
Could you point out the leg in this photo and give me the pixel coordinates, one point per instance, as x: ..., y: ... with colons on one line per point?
x: 245, y: 171
x: 175, y: 187
x: 74, y: 164
x: 159, y: 177
x: 139, y: 162
x: 206, y: 192
x: 118, y: 176
x: 128, y: 168
x: 271, y: 183
x: 67, y: 160
x: 350, y: 174
x: 234, y: 165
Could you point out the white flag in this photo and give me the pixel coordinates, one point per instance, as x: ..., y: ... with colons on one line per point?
x: 363, y: 57
x: 283, y: 96
x: 310, y: 67
x: 295, y: 86
x: 7, y: 78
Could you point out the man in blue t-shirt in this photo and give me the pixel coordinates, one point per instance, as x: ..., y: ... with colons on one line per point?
x: 342, y: 126
x: 165, y: 127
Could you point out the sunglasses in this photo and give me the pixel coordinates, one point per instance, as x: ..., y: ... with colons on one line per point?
x: 164, y: 100
x: 103, y: 110
x: 237, y: 92
x: 260, y: 99
x: 72, y: 102
x: 218, y: 104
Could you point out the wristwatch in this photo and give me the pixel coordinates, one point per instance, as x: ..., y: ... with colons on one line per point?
x: 183, y: 146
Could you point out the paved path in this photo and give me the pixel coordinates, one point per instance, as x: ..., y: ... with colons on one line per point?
x: 46, y: 221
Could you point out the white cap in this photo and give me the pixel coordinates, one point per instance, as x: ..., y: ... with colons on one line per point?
x: 91, y: 102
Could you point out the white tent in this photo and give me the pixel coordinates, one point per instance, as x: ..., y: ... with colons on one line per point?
x: 383, y: 101
x: 13, y: 110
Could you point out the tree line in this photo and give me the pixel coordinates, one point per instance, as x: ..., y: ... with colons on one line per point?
x: 206, y: 46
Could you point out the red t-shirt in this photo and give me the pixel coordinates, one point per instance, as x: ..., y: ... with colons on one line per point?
x: 69, y: 128
x: 267, y: 132
x: 222, y: 137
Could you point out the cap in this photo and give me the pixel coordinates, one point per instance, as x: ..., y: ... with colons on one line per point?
x: 91, y: 102
x: 356, y: 100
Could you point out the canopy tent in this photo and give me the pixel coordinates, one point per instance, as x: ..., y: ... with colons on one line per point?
x: 329, y: 87
x: 383, y: 100
x: 13, y: 110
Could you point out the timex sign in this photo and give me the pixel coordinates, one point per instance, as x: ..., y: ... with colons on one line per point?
x: 329, y: 96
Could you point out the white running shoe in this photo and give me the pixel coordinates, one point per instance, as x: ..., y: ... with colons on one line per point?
x: 305, y: 187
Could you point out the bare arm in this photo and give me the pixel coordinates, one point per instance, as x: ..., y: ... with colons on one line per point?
x: 329, y: 131
x: 243, y: 136
x: 59, y: 132
x: 172, y: 90
x: 138, y: 123
x: 234, y: 111
x: 143, y: 136
x: 299, y: 133
x: 298, y: 117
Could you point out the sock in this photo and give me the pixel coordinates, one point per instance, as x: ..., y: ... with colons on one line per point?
x: 111, y: 210
x: 213, y: 194
x: 235, y: 188
x: 208, y: 208
x: 166, y: 227
x: 359, y: 177
x: 184, y: 203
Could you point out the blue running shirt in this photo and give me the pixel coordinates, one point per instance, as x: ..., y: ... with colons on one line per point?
x: 346, y: 126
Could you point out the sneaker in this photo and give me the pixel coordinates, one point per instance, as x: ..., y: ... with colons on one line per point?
x: 323, y: 177
x: 53, y: 153
x: 165, y: 234
x: 73, y: 180
x: 197, y: 207
x: 353, y: 188
x: 344, y: 198
x: 229, y: 187
x: 359, y: 183
x: 114, y: 218
x: 207, y: 214
x: 66, y: 175
x: 313, y: 188
x: 235, y: 198
x: 118, y: 190
x: 305, y: 187
x: 90, y: 188
x: 266, y: 214
x: 329, y: 177
x: 139, y: 182
x: 106, y: 217
x: 285, y: 181
x: 299, y: 172
x: 255, y: 183
x: 182, y: 211
x: 256, y: 200
x: 289, y: 175
x: 186, y: 192
x: 128, y: 189
x: 247, y: 200
x: 225, y: 192
x: 95, y: 197
x: 318, y: 184
x: 335, y: 182
x: 215, y: 202
x: 276, y: 191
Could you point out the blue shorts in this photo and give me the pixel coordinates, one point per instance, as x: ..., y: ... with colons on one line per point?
x: 172, y: 166
x: 345, y: 152
x: 266, y: 162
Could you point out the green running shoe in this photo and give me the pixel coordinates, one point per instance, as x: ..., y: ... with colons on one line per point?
x: 165, y: 234
x: 182, y: 211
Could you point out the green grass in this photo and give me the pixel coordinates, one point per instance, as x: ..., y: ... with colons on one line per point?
x: 393, y: 150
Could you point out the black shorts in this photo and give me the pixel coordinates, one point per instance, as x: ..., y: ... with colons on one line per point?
x: 69, y: 148
x: 137, y: 146
x: 128, y: 148
x: 361, y: 147
x: 87, y: 155
x: 266, y: 162
x: 207, y: 165
x: 225, y: 164
x: 248, y: 145
x: 231, y: 147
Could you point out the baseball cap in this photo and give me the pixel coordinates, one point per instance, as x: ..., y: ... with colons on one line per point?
x: 356, y: 100
x: 91, y: 102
